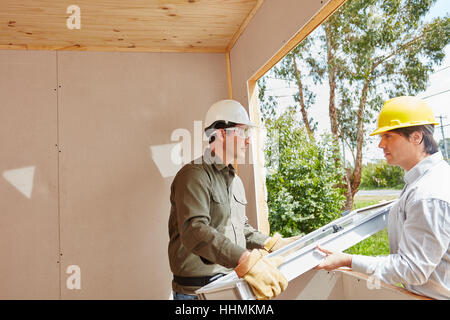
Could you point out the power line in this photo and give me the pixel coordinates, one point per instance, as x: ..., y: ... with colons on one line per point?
x: 436, y: 94
x: 275, y: 78
x: 441, y: 69
x: 282, y: 88
x: 284, y: 96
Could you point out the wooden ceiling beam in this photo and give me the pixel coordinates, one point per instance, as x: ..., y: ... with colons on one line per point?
x: 116, y: 25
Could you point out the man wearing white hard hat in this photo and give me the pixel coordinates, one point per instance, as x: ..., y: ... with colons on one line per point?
x: 208, y: 228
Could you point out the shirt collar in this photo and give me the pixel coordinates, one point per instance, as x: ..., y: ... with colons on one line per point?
x: 210, y: 158
x: 419, y: 169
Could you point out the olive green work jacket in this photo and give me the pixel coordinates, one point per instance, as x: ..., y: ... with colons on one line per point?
x: 208, y: 228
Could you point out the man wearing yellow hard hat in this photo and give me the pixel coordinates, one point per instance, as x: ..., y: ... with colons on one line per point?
x: 419, y: 221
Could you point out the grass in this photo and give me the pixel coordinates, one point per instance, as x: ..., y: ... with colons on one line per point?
x: 377, y: 244
x: 364, y: 201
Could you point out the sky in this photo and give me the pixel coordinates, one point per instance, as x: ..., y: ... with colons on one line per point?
x: 437, y: 96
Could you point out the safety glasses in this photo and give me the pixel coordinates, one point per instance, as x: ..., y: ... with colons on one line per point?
x: 244, y: 132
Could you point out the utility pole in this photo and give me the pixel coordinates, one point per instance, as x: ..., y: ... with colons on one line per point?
x: 443, y: 137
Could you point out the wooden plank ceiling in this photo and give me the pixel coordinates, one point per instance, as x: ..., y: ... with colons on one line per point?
x: 125, y: 25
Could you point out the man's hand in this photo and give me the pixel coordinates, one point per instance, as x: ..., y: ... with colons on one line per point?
x: 334, y: 260
x: 262, y: 275
x: 277, y: 242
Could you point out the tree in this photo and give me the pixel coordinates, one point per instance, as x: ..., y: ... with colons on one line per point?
x: 370, y: 50
x: 382, y: 175
x: 289, y: 70
x: 300, y: 179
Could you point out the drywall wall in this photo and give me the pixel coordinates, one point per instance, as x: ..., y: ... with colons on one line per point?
x: 29, y: 229
x: 116, y: 111
x: 98, y: 129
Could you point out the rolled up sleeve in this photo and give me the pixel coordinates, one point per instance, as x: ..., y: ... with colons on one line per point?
x: 254, y: 238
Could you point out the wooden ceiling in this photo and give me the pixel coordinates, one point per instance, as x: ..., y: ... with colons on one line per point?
x: 125, y: 25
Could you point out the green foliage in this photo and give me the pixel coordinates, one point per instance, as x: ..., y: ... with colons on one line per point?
x: 301, y: 177
x: 382, y: 175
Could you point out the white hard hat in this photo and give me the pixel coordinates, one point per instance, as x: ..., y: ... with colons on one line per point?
x: 228, y: 111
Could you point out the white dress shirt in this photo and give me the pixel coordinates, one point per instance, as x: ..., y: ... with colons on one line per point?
x: 419, y: 233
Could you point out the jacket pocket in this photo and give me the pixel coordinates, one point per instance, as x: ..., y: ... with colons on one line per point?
x: 217, y: 198
x: 240, y: 199
x: 239, y: 210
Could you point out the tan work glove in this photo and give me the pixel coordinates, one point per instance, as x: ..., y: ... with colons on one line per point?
x: 262, y: 275
x: 277, y: 242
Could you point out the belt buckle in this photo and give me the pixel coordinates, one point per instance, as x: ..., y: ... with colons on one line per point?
x: 215, y: 277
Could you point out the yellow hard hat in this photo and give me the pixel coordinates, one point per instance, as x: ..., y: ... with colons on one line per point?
x: 405, y: 111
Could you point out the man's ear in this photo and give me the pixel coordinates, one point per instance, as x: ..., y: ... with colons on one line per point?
x: 222, y: 133
x: 416, y: 137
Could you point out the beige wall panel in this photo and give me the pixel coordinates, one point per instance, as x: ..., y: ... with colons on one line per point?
x: 315, y: 285
x: 274, y: 24
x: 29, y: 266
x: 114, y: 200
x: 362, y: 287
x: 342, y: 285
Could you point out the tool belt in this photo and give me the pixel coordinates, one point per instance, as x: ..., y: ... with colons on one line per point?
x: 196, y: 281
